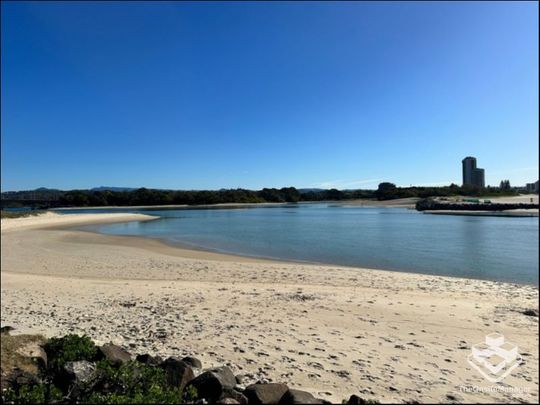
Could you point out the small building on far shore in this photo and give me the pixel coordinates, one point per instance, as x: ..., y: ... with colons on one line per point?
x: 532, y: 187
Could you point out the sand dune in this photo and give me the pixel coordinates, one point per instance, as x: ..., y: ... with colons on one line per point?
x: 330, y: 330
x: 51, y: 219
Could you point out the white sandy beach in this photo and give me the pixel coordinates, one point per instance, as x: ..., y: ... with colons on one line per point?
x: 330, y: 330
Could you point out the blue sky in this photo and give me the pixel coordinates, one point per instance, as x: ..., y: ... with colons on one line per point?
x: 226, y: 95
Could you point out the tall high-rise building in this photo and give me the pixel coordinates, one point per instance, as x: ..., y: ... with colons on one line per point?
x: 472, y: 175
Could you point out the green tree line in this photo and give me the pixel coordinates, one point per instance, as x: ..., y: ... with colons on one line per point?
x: 146, y: 196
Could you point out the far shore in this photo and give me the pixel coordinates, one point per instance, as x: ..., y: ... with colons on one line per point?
x: 409, y: 203
x: 329, y: 330
x: 397, y: 203
x: 170, y: 206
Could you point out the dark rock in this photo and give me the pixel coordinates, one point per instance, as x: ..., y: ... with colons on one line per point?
x: 298, y: 397
x: 149, y: 360
x: 431, y: 204
x: 6, y: 329
x: 240, y: 378
x: 530, y: 312
x: 213, y: 383
x: 79, y: 372
x: 178, y: 372
x: 231, y: 394
x: 356, y: 400
x: 265, y: 393
x: 17, y: 378
x: 228, y: 401
x: 115, y: 353
x: 192, y: 361
x: 75, y: 375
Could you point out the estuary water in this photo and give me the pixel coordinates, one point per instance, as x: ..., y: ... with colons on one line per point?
x: 490, y: 248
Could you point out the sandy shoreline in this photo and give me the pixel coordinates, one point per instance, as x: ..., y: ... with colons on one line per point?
x: 330, y: 330
x: 173, y: 206
x: 50, y: 220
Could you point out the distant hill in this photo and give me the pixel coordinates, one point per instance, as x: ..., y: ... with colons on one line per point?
x: 42, y: 193
x: 54, y: 190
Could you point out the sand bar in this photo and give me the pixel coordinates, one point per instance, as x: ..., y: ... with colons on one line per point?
x: 330, y: 330
x: 51, y: 219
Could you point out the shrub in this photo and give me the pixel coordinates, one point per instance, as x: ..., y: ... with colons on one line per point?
x: 134, y: 382
x: 69, y: 348
x: 33, y: 394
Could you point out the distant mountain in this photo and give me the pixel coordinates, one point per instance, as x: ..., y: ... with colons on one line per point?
x: 105, y: 188
x: 47, y: 189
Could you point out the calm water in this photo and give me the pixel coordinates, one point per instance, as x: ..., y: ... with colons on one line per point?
x: 491, y: 248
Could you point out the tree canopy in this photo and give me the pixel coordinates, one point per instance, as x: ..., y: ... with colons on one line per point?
x: 148, y: 196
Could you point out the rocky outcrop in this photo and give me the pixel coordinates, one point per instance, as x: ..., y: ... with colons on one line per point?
x: 213, y: 383
x: 356, y: 400
x: 179, y: 373
x: 270, y: 393
x: 192, y: 361
x: 293, y: 396
x: 149, y: 360
x: 79, y: 372
x: 17, y: 378
x: 429, y: 204
x: 115, y: 353
x: 232, y: 396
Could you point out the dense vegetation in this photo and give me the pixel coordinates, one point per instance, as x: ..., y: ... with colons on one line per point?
x: 111, y: 383
x: 389, y: 191
x: 145, y: 196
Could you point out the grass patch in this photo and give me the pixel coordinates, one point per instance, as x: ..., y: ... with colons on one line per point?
x: 20, y: 214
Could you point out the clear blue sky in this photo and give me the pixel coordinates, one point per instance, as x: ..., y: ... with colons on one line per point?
x: 212, y: 95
